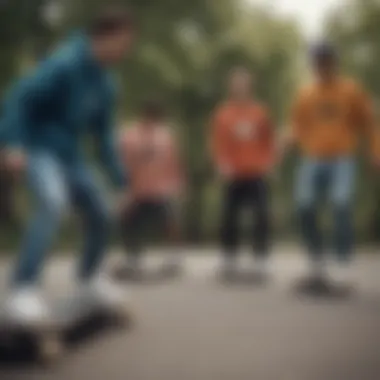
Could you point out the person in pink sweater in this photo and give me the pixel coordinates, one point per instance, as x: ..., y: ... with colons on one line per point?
x: 151, y: 157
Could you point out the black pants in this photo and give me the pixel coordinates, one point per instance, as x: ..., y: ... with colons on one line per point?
x: 142, y: 220
x: 7, y: 202
x: 248, y: 194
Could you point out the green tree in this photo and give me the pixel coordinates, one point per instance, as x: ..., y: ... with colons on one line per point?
x: 183, y: 52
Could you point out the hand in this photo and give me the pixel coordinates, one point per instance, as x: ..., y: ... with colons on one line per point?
x: 225, y: 172
x: 123, y: 202
x: 15, y: 161
x: 274, y: 175
x: 284, y: 145
x: 376, y: 163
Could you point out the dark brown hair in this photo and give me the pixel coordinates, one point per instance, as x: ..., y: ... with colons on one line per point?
x: 153, y: 109
x: 109, y: 20
x: 240, y: 70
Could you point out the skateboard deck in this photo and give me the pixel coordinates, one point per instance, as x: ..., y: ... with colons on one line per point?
x: 72, y: 320
x: 21, y: 341
x: 322, y: 288
x: 243, y: 277
x: 160, y: 273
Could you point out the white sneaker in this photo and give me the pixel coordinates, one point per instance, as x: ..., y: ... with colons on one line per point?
x: 104, y: 292
x: 343, y: 274
x: 26, y: 306
x: 318, y: 270
x: 262, y: 266
x: 228, y: 267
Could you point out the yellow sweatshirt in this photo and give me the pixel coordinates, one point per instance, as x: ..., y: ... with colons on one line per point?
x: 329, y: 119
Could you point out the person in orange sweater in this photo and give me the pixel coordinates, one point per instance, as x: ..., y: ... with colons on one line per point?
x: 329, y: 118
x: 243, y: 152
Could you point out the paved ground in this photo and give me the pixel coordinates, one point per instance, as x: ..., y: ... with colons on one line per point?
x: 196, y: 329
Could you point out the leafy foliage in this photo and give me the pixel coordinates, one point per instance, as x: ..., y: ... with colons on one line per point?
x: 183, y: 53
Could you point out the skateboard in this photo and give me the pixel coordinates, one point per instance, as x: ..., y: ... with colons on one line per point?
x: 163, y: 272
x: 320, y: 287
x: 71, y: 320
x: 242, y: 277
x: 39, y: 342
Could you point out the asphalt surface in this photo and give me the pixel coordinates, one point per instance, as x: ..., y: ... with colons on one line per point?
x: 194, y: 328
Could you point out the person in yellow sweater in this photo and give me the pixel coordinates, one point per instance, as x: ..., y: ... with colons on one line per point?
x: 329, y: 119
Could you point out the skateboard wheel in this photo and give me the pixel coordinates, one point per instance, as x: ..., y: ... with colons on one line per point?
x: 50, y: 348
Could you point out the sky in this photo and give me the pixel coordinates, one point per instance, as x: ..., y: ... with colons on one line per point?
x: 310, y: 14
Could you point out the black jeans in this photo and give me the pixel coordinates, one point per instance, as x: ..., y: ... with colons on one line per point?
x: 8, y: 215
x: 143, y: 219
x: 252, y: 194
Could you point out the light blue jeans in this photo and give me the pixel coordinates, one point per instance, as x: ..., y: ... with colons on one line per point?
x: 316, y: 181
x: 53, y: 187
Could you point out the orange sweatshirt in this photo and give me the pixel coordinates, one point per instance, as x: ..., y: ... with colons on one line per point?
x: 242, y: 139
x: 328, y: 120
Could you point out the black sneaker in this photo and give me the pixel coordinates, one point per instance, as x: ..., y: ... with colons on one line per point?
x: 228, y: 272
x: 128, y: 272
x: 315, y: 286
x: 171, y: 269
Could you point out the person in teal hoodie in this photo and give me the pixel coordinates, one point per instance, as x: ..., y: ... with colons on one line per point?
x: 45, y: 119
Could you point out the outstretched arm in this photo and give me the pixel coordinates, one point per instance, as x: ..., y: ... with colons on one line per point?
x: 32, y: 97
x: 366, y: 119
x: 269, y: 141
x: 107, y: 147
x: 219, y: 145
